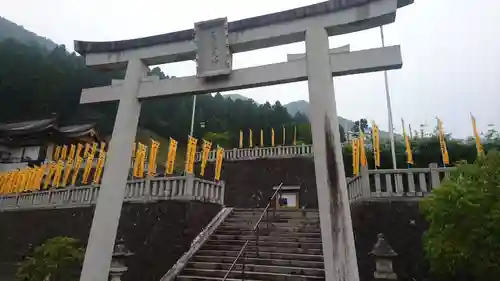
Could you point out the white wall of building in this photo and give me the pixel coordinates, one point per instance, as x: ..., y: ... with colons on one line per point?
x: 14, y: 158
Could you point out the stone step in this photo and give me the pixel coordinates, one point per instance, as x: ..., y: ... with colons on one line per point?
x: 278, y: 243
x: 282, y: 223
x: 202, y: 278
x: 294, y: 215
x: 270, y: 232
x: 253, y: 221
x: 272, y: 229
x: 209, y: 246
x: 277, y: 262
x: 282, y: 210
x: 251, y: 237
x: 258, y: 268
x: 250, y: 275
x: 262, y: 254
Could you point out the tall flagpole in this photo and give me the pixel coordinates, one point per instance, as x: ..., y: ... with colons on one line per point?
x: 192, y: 116
x: 389, y: 108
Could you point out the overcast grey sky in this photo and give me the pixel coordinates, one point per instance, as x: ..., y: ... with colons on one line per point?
x: 451, y: 52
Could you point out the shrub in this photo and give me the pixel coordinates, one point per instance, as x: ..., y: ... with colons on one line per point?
x: 463, y: 239
x: 58, y: 259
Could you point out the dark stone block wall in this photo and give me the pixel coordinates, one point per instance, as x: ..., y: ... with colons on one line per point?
x: 244, y: 179
x: 403, y: 225
x: 158, y: 233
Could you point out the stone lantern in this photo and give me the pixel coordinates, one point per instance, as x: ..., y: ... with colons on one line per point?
x: 384, y: 256
x: 120, y: 254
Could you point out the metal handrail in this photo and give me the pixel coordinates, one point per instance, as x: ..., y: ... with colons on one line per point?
x: 351, y: 180
x: 255, y: 229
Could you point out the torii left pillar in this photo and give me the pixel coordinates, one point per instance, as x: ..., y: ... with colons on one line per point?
x: 109, y: 203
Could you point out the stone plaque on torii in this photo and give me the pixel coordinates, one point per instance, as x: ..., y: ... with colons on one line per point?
x: 212, y: 44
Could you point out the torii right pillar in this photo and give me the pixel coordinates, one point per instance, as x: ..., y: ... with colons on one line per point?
x: 339, y: 252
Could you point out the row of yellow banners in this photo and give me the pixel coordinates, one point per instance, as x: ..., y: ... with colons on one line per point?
x: 283, y: 134
x: 65, y: 169
x: 139, y: 158
x: 359, y: 151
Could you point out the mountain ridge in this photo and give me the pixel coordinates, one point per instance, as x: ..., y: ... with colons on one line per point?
x: 295, y: 107
x: 11, y: 30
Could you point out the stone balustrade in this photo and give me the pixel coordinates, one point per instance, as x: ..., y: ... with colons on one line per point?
x: 139, y: 191
x: 236, y: 154
x: 415, y: 182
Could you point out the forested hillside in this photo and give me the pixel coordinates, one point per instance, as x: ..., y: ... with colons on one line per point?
x: 36, y: 83
x: 11, y: 30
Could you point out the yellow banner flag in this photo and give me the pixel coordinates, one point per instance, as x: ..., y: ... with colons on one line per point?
x: 86, y: 151
x: 57, y: 173
x: 37, y: 182
x: 241, y: 139
x: 272, y: 136
x: 355, y: 156
x: 142, y: 160
x: 295, y: 135
x: 76, y: 170
x: 49, y: 172
x: 4, y: 178
x: 190, y: 155
x: 57, y: 153
x: 32, y: 184
x: 2, y: 181
x: 218, y: 162
x: 479, y: 146
x: 376, y: 144
x: 79, y: 148
x: 71, y: 154
x: 137, y: 160
x: 172, y: 152
x: 21, y: 175
x: 362, y: 150
x: 15, y: 180
x: 69, y: 165
x: 7, y: 184
x: 89, y: 163
x: 284, y: 135
x: 250, y: 138
x: 100, y: 164
x: 64, y: 152
x: 409, y: 154
x: 207, y: 146
x: 153, y: 152
x: 442, y: 143
x: 261, y: 138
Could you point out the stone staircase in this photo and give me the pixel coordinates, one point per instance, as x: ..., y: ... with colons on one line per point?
x: 289, y: 250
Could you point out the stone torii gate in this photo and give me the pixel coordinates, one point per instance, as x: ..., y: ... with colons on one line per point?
x: 212, y: 44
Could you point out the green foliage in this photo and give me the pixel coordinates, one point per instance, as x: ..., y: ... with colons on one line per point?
x: 493, y: 135
x: 463, y: 239
x: 58, y: 259
x: 36, y: 83
x: 360, y: 125
x: 221, y: 139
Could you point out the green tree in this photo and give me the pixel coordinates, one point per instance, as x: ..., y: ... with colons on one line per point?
x: 463, y: 239
x: 58, y: 259
x: 360, y: 125
x: 221, y: 139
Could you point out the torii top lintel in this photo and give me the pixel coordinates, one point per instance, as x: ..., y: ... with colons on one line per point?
x: 114, y: 54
